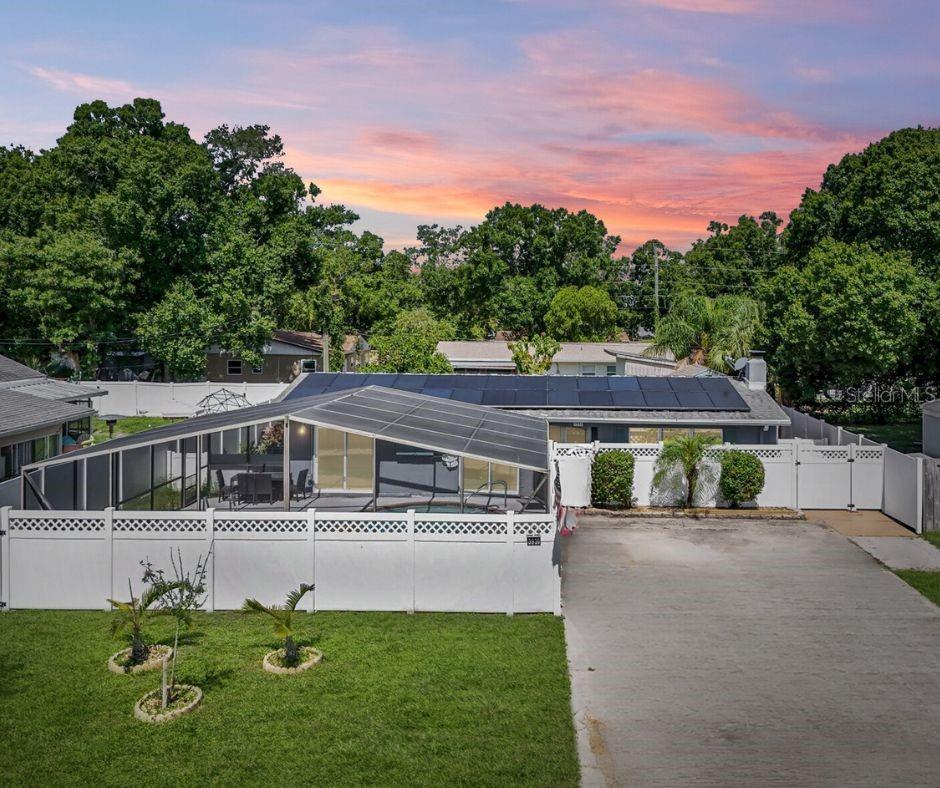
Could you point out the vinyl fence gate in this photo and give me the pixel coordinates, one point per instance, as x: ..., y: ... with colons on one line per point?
x: 839, y: 477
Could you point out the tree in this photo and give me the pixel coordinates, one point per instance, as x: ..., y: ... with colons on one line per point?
x: 708, y: 330
x: 585, y: 314
x: 735, y: 259
x: 133, y: 614
x: 283, y: 616
x: 411, y: 345
x: 641, y: 299
x: 684, y: 454
x: 849, y: 317
x: 885, y: 196
x: 178, y: 331
x: 534, y: 356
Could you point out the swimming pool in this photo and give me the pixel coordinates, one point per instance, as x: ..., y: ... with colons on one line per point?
x: 440, y: 508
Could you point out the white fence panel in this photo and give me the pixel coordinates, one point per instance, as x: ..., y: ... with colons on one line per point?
x: 868, y: 476
x: 903, y: 488
x: 136, y: 398
x: 824, y: 476
x: 358, y: 561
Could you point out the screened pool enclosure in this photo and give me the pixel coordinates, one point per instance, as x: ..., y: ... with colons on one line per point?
x: 371, y: 449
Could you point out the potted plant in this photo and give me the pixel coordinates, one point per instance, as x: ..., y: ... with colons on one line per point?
x: 130, y: 617
x: 290, y: 659
x: 184, y: 594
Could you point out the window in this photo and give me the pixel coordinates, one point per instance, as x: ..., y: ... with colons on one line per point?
x: 673, y: 432
x: 620, y: 434
x: 575, y: 434
x: 483, y: 475
x: 308, y: 365
x: 713, y: 431
x: 588, y: 370
x: 7, y: 462
x: 345, y: 461
x: 644, y: 434
x: 257, y: 370
x: 234, y: 366
x: 611, y: 370
x: 555, y: 433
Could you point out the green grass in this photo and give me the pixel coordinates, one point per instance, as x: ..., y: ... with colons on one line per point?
x: 933, y: 537
x: 425, y: 699
x: 904, y: 437
x: 127, y: 426
x: 928, y: 583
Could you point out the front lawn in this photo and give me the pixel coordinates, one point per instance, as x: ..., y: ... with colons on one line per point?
x: 399, y: 699
x: 928, y: 583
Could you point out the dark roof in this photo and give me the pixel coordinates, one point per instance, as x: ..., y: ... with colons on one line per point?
x: 303, y: 339
x: 544, y: 391
x: 12, y: 370
x: 21, y: 413
x: 380, y: 412
x: 47, y: 388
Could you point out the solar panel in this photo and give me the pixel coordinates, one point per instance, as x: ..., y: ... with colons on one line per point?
x: 552, y: 391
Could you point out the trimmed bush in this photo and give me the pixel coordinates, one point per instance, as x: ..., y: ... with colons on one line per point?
x: 612, y: 479
x: 742, y: 477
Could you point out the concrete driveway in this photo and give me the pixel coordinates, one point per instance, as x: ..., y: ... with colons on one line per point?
x: 752, y: 653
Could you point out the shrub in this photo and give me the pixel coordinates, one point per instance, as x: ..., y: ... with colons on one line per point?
x: 742, y: 477
x: 612, y: 479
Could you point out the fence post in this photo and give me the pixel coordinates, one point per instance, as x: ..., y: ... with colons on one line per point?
x: 210, y: 536
x: 411, y: 539
x: 109, y: 546
x: 919, y: 519
x: 510, y: 538
x: 4, y: 558
x: 312, y: 541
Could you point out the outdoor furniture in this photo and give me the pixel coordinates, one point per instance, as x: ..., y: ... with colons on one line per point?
x: 299, y: 490
x: 225, y: 490
x: 253, y: 488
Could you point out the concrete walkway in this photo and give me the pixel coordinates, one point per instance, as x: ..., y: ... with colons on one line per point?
x: 746, y: 653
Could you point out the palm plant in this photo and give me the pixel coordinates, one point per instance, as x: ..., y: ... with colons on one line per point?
x: 707, y: 330
x: 686, y: 453
x: 283, y: 619
x: 133, y: 615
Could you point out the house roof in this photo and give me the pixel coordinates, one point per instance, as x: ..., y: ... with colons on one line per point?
x: 761, y: 410
x: 47, y: 388
x: 492, y: 353
x: 308, y: 340
x: 11, y: 370
x: 378, y: 412
x: 21, y: 413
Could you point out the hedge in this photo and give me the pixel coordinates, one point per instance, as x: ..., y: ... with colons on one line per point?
x: 612, y: 479
x: 742, y: 477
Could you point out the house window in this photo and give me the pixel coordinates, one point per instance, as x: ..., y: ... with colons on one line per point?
x: 7, y: 462
x: 588, y: 370
x: 234, y: 366
x: 480, y: 475
x: 644, y: 434
x: 575, y: 434
x: 345, y: 461
x: 611, y: 370
x: 555, y: 433
x: 308, y: 365
x: 620, y: 434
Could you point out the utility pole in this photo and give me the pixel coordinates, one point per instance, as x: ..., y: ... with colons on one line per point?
x: 655, y: 291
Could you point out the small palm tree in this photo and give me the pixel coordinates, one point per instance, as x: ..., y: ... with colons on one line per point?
x: 282, y: 615
x: 685, y: 452
x: 133, y: 615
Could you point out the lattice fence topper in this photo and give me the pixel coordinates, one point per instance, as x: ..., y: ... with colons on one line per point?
x: 140, y: 525
x: 573, y: 450
x: 468, y: 528
x: 54, y: 524
x: 336, y: 526
x: 540, y: 528
x: 875, y: 453
x: 268, y: 526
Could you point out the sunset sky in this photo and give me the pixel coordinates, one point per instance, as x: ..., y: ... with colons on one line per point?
x: 656, y: 115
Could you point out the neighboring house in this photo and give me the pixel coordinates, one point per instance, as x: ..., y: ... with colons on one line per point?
x: 611, y: 409
x: 931, y: 417
x: 39, y: 417
x: 287, y: 355
x: 593, y: 359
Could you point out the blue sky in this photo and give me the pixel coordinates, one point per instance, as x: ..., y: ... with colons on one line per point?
x: 656, y: 115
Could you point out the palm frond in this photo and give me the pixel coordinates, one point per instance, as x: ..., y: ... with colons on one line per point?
x: 294, y: 597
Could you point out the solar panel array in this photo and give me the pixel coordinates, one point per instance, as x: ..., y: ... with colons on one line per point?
x: 420, y: 420
x: 544, y: 391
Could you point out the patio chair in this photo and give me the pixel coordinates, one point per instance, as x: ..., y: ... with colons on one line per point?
x: 299, y: 490
x: 243, y: 489
x: 225, y: 490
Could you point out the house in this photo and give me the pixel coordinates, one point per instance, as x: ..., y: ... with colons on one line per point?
x: 931, y: 418
x: 610, y: 409
x: 287, y: 355
x: 593, y: 359
x: 359, y: 448
x: 39, y: 418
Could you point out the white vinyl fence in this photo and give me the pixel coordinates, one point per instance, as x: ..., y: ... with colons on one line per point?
x: 904, y: 488
x: 136, y: 398
x: 798, y: 474
x: 357, y: 561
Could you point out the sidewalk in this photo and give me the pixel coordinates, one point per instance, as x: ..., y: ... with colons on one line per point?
x: 881, y: 537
